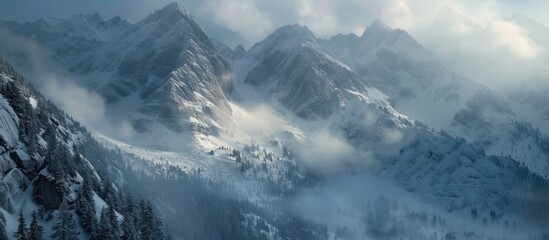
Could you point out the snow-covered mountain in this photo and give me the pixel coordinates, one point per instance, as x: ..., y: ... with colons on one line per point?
x: 163, y: 70
x: 415, y: 81
x: 519, y: 76
x: 420, y: 86
x: 293, y: 61
x: 291, y: 66
x: 55, y: 173
x: 293, y: 115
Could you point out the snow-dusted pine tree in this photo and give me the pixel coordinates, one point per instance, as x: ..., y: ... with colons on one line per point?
x: 36, y: 231
x: 65, y: 227
x: 21, y: 233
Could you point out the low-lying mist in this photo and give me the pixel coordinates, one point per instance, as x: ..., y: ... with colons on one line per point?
x: 61, y: 87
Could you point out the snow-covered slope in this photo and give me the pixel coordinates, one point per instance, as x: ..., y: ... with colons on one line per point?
x: 291, y: 67
x: 165, y: 65
x: 416, y: 82
x: 423, y: 88
x: 52, y: 170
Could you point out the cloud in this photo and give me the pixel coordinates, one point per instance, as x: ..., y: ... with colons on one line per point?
x: 242, y: 15
x: 513, y: 38
x: 484, y: 46
x: 391, y: 135
x: 328, y: 151
x: 398, y: 14
x: 324, y: 150
x: 260, y: 120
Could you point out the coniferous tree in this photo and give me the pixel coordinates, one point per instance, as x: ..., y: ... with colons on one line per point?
x: 129, y: 206
x: 51, y: 140
x: 21, y: 233
x: 65, y: 228
x: 85, y: 208
x: 54, y: 160
x: 104, y: 230
x: 32, y: 135
x: 113, y: 220
x: 128, y: 228
x: 3, y: 234
x: 146, y: 219
x: 36, y: 231
x: 157, y: 231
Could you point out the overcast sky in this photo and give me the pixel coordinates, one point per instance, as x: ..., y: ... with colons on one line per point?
x: 254, y: 19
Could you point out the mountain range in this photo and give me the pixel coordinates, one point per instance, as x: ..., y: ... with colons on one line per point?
x: 258, y: 133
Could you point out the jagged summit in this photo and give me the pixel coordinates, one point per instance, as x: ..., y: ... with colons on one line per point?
x: 117, y: 20
x: 175, y: 21
x: 174, y: 6
x: 293, y: 33
x: 95, y: 17
x: 301, y: 74
x: 171, y: 11
x: 165, y: 61
x: 286, y: 37
x: 295, y: 29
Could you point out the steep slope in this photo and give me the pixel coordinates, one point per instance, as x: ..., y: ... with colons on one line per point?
x: 290, y: 66
x: 163, y: 70
x: 53, y: 168
x: 387, y: 142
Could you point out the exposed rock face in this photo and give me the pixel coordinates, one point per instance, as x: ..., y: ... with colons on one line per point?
x: 47, y: 194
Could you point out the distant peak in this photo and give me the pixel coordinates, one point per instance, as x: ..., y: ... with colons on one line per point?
x: 94, y: 16
x: 172, y: 5
x: 295, y: 28
x: 294, y: 31
x: 90, y: 18
x: 377, y: 26
x: 239, y: 48
x: 522, y: 18
x: 118, y: 21
x: 380, y: 24
x: 171, y: 12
